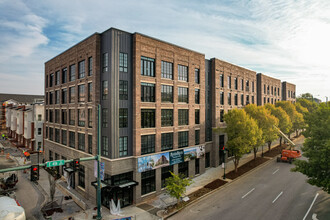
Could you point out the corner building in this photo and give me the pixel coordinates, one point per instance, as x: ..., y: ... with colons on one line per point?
x: 159, y: 103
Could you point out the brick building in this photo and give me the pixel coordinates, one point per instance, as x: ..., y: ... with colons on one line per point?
x: 288, y: 92
x: 268, y: 89
x: 159, y: 102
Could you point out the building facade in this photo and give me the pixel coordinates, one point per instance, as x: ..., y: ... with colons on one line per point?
x: 158, y: 104
x: 288, y: 92
x: 268, y: 89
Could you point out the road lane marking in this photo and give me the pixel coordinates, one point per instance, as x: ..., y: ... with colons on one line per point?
x: 317, y: 194
x: 276, y: 171
x: 248, y: 193
x: 277, y: 197
x: 314, y: 217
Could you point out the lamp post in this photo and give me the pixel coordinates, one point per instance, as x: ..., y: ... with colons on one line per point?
x: 98, y: 190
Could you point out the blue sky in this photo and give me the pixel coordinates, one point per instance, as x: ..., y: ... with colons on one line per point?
x: 288, y: 39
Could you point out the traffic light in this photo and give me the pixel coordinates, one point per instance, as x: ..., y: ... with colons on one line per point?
x: 76, y: 165
x: 34, y: 172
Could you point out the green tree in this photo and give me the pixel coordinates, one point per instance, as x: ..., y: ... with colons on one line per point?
x: 266, y: 123
x: 290, y: 109
x: 317, y: 148
x: 284, y: 124
x: 307, y: 96
x: 298, y: 122
x: 301, y: 109
x: 311, y: 106
x: 176, y: 185
x: 242, y: 131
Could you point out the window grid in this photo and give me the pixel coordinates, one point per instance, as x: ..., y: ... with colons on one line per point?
x: 148, y: 183
x: 105, y: 62
x: 81, y: 69
x: 81, y: 117
x: 123, y: 89
x: 147, y: 66
x: 148, y: 118
x: 183, y: 73
x: 197, y: 116
x: 105, y: 146
x: 104, y: 117
x: 197, y: 96
x: 183, y: 116
x: 183, y: 139
x: 147, y: 92
x: 197, y: 137
x: 123, y: 117
x: 167, y: 93
x: 123, y: 64
x: 147, y: 144
x: 72, y: 72
x: 197, y: 76
x: 81, y: 93
x: 167, y: 141
x: 167, y: 117
x: 167, y: 70
x: 81, y: 141
x: 183, y: 94
x: 123, y: 149
x: 90, y: 66
x: 104, y: 90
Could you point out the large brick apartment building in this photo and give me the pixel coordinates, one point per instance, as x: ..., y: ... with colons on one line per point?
x: 159, y: 103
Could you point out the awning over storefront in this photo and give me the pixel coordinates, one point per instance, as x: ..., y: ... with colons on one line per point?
x: 69, y: 169
x: 124, y: 185
x: 129, y: 184
x: 103, y: 184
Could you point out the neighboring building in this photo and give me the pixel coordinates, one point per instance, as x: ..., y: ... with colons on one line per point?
x: 232, y: 87
x: 268, y: 89
x: 158, y: 101
x: 288, y: 92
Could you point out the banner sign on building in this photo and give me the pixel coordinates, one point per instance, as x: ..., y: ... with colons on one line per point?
x: 170, y: 158
x: 176, y: 157
x: 153, y: 162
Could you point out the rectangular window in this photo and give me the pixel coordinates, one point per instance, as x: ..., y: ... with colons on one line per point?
x: 167, y: 70
x: 57, y: 77
x: 39, y: 131
x: 229, y: 98
x: 268, y: 90
x: 166, y: 174
x: 90, y: 66
x: 57, y: 97
x: 183, y: 95
x: 104, y: 90
x: 272, y: 90
x: 90, y: 92
x: 222, y: 113
x: 50, y: 155
x: 183, y: 116
x: 51, y: 94
x: 207, y: 160
x: 167, y: 117
x: 72, y: 117
x: 57, y: 116
x: 81, y: 69
x: 81, y: 176
x: 81, y: 93
x: 105, y: 62
x: 167, y: 141
x: 147, y: 144
x: 123, y: 64
x: 39, y: 117
x: 72, y: 139
x: 247, y: 99
x: 51, y: 134
x: 183, y: 73
x: 229, y: 82
x: 72, y: 95
x: 222, y: 98
x: 47, y: 98
x: 81, y: 141
x: 197, y: 121
x: 252, y: 86
x: 247, y: 86
x: 236, y: 83
x: 197, y: 75
x: 242, y: 99
x: 148, y: 118
x: 183, y: 139
x: 167, y: 93
x: 90, y: 118
x: 123, y: 149
x: 236, y: 99
x: 64, y: 137
x: 148, y: 182
x: 252, y: 99
x: 72, y: 72
x: 275, y: 91
x: 278, y: 91
x: 264, y: 100
x: 51, y: 79
x: 123, y: 117
x: 147, y: 66
x: 265, y: 88
x: 105, y: 146
x: 51, y: 116
x: 123, y: 89
x: 64, y: 116
x: 147, y: 92
x: 46, y: 114
x: 64, y: 96
x: 104, y: 117
x: 81, y: 117
x: 197, y: 136
x: 221, y: 80
x: 46, y: 82
x: 242, y: 84
x: 184, y: 169
x: 90, y: 144
x: 197, y: 94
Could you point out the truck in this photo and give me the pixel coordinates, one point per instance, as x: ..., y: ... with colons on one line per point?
x: 289, y: 156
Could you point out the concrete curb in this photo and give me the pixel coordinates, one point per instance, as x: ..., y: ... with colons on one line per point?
x: 227, y: 184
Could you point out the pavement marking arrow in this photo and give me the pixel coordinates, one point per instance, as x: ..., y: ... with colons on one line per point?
x: 277, y: 197
x: 314, y: 217
x: 248, y: 193
x: 317, y: 194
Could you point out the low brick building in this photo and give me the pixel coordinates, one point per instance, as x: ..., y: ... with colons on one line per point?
x: 288, y: 92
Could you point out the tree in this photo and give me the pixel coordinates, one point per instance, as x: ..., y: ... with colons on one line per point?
x: 307, y: 96
x: 311, y: 106
x: 242, y: 131
x: 290, y: 109
x: 298, y: 122
x: 266, y: 123
x: 176, y: 185
x: 300, y: 108
x: 284, y: 124
x: 317, y: 148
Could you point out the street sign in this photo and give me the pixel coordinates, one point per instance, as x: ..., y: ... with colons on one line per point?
x: 55, y: 163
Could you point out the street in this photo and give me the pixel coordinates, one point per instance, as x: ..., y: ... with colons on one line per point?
x: 270, y: 192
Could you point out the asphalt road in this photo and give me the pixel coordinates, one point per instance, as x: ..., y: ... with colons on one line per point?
x: 271, y: 192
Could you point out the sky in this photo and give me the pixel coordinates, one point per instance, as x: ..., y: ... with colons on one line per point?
x: 284, y: 39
